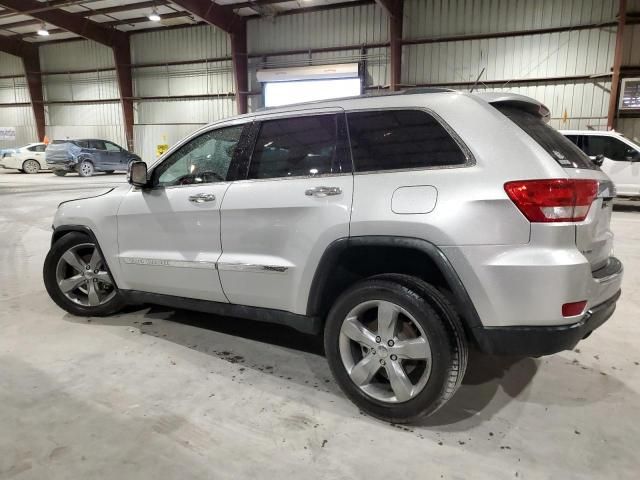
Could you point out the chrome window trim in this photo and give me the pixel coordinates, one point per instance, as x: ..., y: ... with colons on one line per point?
x: 299, y: 177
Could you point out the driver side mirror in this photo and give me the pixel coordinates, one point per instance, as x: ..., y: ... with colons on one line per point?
x: 137, y: 174
x: 598, y: 159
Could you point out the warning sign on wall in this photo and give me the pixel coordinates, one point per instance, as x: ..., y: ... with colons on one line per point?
x: 8, y: 133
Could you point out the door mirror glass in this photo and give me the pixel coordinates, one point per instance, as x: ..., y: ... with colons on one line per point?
x: 137, y: 174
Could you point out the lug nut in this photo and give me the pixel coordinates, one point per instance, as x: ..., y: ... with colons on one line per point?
x: 390, y: 343
x: 373, y: 351
x: 382, y: 362
x: 378, y: 339
x: 88, y: 267
x: 394, y: 358
x: 96, y: 271
x: 95, y: 280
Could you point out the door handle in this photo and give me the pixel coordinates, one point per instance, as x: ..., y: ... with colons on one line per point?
x: 323, y: 191
x: 202, y: 197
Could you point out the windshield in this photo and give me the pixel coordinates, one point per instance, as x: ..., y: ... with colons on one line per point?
x: 555, y: 144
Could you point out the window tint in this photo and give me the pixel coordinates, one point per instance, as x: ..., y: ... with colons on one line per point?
x: 111, y: 147
x: 553, y: 142
x: 575, y: 139
x: 82, y: 143
x: 610, y: 147
x: 393, y: 139
x: 300, y: 146
x: 205, y: 159
x: 97, y: 144
x: 37, y: 148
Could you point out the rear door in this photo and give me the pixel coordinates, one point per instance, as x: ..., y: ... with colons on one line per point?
x: 295, y: 201
x: 115, y: 157
x: 621, y: 161
x: 97, y: 150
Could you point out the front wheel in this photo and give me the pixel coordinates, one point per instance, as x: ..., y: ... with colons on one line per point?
x: 395, y: 346
x: 30, y: 166
x: 85, y: 169
x: 77, y: 279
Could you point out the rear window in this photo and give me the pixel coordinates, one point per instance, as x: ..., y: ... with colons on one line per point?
x: 401, y: 139
x: 554, y: 143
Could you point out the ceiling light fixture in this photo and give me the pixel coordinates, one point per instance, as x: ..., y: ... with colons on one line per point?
x: 43, y: 31
x: 153, y: 16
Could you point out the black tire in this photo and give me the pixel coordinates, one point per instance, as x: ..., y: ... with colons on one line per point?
x: 59, y: 173
x: 31, y: 166
x: 85, y: 168
x: 441, y: 325
x: 59, y: 248
x: 109, y: 172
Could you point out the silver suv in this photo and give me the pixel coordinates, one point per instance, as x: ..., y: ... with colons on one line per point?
x: 407, y: 228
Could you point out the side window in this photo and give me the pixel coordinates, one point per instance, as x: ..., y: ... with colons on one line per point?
x: 301, y: 146
x: 111, y: 147
x: 97, y: 144
x: 204, y: 159
x: 575, y: 139
x: 33, y: 149
x: 82, y: 143
x: 394, y: 139
x: 609, y: 147
x: 41, y: 148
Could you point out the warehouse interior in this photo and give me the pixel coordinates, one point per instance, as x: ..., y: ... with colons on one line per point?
x: 164, y: 393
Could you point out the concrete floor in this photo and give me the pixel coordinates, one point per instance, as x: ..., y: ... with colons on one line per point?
x: 161, y: 394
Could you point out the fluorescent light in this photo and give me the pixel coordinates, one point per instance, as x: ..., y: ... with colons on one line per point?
x: 43, y: 31
x: 153, y: 16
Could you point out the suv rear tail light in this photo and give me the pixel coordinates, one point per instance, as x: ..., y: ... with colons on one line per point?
x: 555, y: 200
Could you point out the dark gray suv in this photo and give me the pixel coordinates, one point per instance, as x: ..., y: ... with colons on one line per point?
x: 87, y: 156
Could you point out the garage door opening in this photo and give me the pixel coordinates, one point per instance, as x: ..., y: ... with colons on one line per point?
x: 306, y: 84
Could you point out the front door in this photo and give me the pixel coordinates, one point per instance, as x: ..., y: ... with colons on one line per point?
x: 621, y: 161
x: 296, y: 200
x: 169, y: 235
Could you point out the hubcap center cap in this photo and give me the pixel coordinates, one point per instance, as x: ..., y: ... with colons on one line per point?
x: 383, y: 352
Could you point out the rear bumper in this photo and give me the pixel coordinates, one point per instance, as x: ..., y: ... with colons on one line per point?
x: 545, y: 340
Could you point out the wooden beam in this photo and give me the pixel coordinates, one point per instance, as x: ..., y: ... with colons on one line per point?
x: 31, y: 62
x: 617, y: 62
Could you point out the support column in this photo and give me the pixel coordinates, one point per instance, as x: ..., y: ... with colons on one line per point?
x: 395, y: 40
x: 240, y: 65
x: 122, y: 57
x: 31, y: 63
x: 617, y: 62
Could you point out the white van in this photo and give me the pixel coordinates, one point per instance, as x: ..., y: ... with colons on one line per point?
x: 621, y: 157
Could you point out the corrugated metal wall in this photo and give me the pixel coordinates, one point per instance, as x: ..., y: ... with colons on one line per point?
x: 14, y: 90
x: 272, y: 41
x: 574, y: 103
x: 349, y: 26
x: 73, y: 120
x: 167, y: 120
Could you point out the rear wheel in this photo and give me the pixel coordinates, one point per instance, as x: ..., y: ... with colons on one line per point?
x: 85, y: 169
x: 30, y: 166
x: 77, y: 279
x: 395, y: 347
x: 59, y: 173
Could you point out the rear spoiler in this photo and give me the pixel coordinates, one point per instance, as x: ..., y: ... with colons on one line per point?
x: 518, y: 101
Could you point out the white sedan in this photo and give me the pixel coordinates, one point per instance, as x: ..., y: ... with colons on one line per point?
x: 27, y: 159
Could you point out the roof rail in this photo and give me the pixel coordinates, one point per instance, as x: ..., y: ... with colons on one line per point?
x: 419, y: 90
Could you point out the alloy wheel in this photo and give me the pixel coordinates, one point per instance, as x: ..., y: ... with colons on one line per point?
x: 31, y: 166
x: 385, y: 351
x: 82, y: 276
